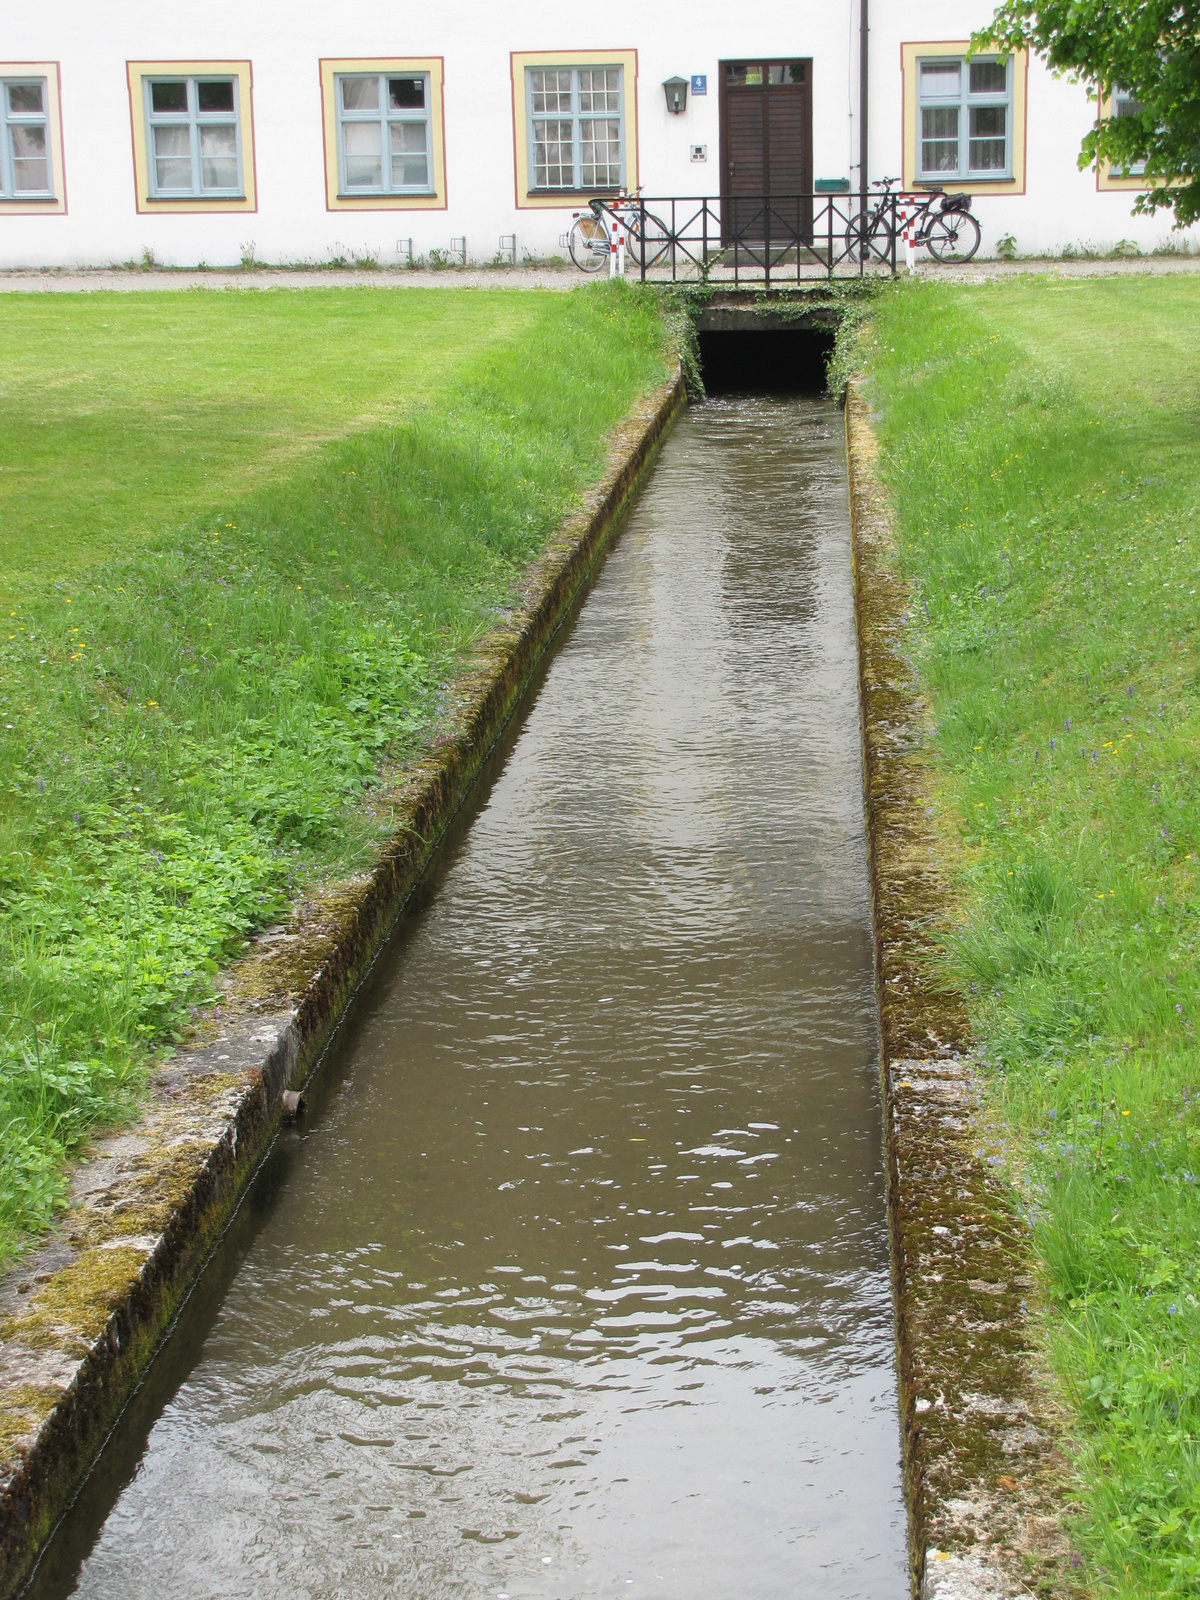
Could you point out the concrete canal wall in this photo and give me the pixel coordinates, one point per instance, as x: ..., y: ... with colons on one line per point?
x: 986, y: 1482
x: 81, y: 1317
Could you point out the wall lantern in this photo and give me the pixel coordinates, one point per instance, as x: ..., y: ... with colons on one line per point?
x: 675, y: 90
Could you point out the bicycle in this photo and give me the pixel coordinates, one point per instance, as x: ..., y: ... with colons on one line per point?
x: 592, y: 239
x: 943, y: 224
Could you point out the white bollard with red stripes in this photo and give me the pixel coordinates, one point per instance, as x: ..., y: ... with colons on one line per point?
x: 616, y: 251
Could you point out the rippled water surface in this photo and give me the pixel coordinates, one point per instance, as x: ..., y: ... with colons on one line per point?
x: 576, y: 1281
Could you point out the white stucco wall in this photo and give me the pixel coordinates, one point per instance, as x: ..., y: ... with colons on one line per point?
x: 284, y: 42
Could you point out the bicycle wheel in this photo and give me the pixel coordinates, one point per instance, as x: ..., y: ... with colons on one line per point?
x: 953, y: 236
x: 867, y: 238
x: 649, y: 242
x: 588, y: 243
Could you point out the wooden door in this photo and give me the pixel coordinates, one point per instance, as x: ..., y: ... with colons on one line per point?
x: 766, y: 150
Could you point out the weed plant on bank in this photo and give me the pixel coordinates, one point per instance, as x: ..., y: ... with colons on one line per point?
x: 1040, y: 441
x: 198, y: 688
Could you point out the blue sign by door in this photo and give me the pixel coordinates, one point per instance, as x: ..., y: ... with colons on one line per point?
x: 699, y: 83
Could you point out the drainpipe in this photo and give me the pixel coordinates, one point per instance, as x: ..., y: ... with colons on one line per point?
x: 864, y: 33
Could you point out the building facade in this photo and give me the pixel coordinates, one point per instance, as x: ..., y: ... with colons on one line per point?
x: 247, y: 128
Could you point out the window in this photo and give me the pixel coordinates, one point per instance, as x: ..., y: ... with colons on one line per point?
x: 25, y: 168
x: 193, y: 139
x: 32, y: 180
x: 193, y: 135
x: 1124, y: 105
x: 575, y: 128
x: 964, y: 121
x: 382, y: 121
x: 383, y: 133
x: 965, y: 111
x: 574, y: 125
x: 750, y: 74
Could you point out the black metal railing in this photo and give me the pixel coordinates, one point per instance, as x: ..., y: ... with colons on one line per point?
x: 761, y: 238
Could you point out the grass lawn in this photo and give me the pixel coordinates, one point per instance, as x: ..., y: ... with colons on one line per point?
x: 1042, y: 442
x: 244, y: 539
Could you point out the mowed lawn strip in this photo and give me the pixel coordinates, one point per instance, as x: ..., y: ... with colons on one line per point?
x: 197, y: 691
x: 122, y: 415
x: 1042, y: 443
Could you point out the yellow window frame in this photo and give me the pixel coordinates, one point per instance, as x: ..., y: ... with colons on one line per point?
x: 522, y: 59
x: 1109, y: 181
x: 331, y: 68
x: 136, y: 71
x: 910, y: 55
x: 56, y: 206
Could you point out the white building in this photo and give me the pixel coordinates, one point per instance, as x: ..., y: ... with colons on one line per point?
x: 201, y: 134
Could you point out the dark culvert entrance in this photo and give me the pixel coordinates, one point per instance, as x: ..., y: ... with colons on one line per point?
x: 766, y: 361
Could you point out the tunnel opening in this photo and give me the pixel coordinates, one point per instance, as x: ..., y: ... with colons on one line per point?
x: 765, y: 361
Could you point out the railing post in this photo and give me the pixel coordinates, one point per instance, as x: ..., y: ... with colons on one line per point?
x: 894, y: 209
x: 704, y: 239
x: 642, y: 225
x: 767, y: 239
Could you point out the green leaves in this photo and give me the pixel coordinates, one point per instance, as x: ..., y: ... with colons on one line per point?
x: 1148, y: 48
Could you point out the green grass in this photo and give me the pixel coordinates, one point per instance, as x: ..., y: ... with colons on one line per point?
x: 245, y: 539
x: 1041, y: 441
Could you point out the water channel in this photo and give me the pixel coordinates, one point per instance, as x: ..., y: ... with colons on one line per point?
x: 575, y: 1281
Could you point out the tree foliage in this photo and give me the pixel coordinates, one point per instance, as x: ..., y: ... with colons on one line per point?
x: 1148, y: 48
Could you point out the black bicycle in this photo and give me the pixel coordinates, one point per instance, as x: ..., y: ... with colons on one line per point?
x: 941, y: 222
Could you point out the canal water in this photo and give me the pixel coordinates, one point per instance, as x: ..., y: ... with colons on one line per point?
x: 575, y: 1282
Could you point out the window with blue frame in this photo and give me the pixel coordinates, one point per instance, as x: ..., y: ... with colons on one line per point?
x: 25, y: 167
x: 193, y: 137
x: 964, y: 112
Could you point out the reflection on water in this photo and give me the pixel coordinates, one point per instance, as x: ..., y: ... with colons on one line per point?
x: 578, y: 1280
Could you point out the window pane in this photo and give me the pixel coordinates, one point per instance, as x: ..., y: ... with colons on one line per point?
x: 553, y: 156
x: 221, y: 174
x: 218, y: 139
x: 172, y: 140
x: 408, y: 138
x: 168, y: 96
x: 988, y: 146
x: 939, y: 139
x: 173, y: 157
x: 786, y: 72
x: 1124, y: 105
x: 410, y: 168
x: 599, y: 90
x: 25, y: 98
x: 740, y: 74
x: 941, y: 79
x: 551, y: 92
x: 360, y: 94
x: 31, y: 163
x: 215, y: 96
x: 218, y: 156
x: 989, y: 77
x: 600, y: 153
x: 173, y: 175
x: 406, y: 94
x: 364, y: 155
x: 31, y: 177
x: 28, y: 140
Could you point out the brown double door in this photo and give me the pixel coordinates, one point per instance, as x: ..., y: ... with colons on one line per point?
x: 766, y: 150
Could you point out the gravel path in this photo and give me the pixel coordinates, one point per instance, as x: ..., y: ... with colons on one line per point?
x: 63, y: 280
